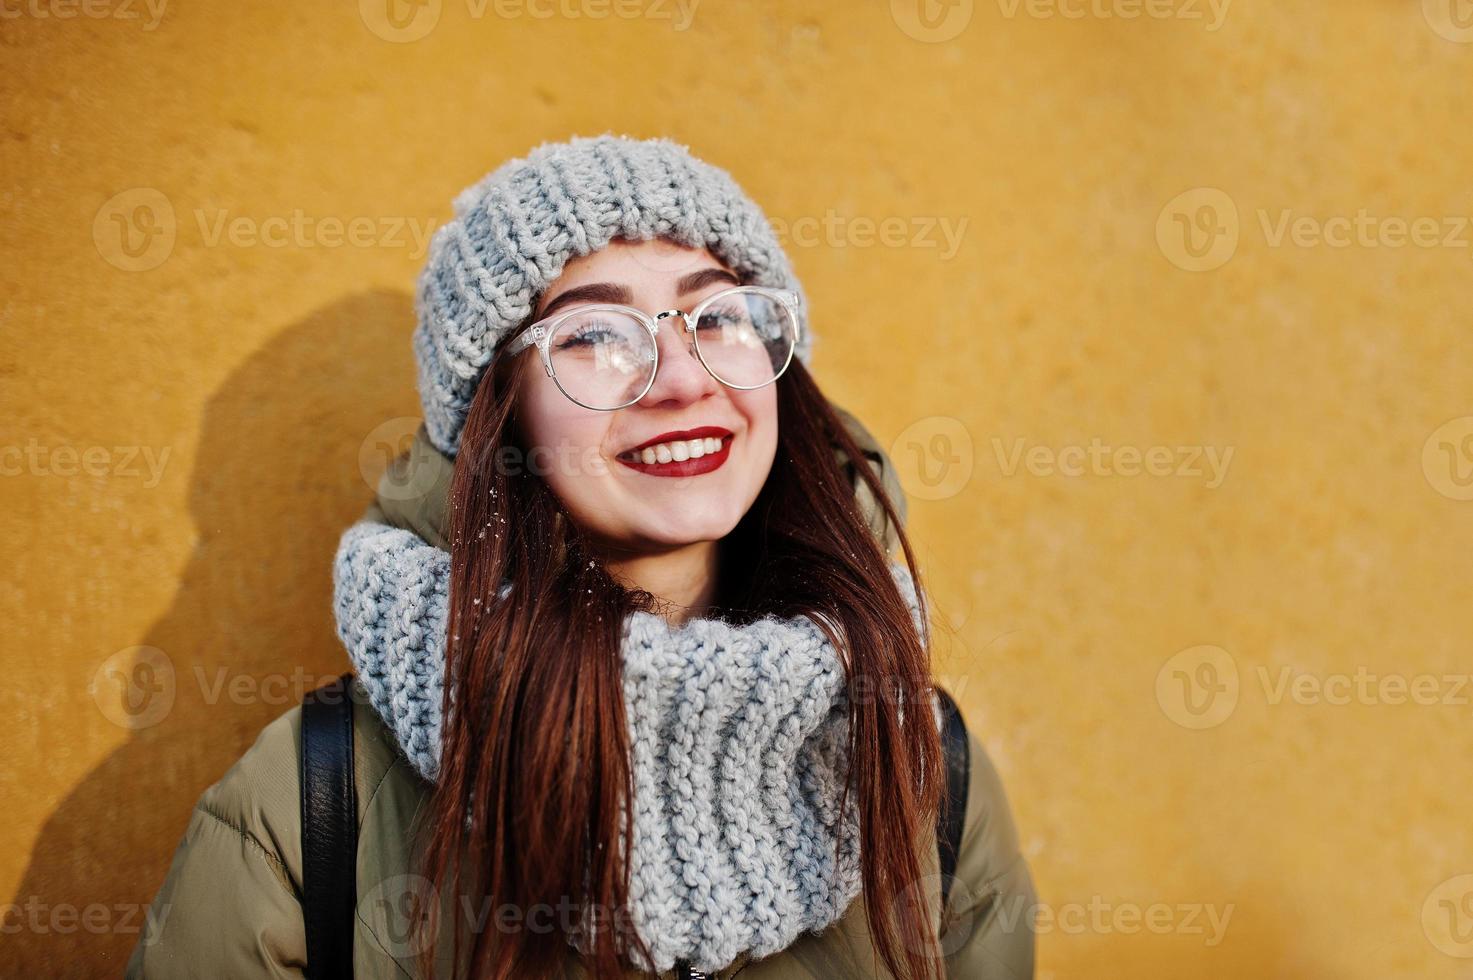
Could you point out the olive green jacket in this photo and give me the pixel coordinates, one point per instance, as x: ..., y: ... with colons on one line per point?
x: 231, y: 903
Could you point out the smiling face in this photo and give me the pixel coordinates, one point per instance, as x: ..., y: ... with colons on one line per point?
x: 632, y: 477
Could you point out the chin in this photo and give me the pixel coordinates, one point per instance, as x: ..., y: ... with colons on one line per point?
x: 704, y: 527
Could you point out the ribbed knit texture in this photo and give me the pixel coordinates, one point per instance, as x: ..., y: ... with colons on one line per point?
x: 738, y: 750
x: 515, y: 230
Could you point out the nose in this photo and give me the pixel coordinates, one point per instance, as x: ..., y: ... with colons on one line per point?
x: 680, y: 378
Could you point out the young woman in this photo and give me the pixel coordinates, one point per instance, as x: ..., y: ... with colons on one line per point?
x: 649, y: 693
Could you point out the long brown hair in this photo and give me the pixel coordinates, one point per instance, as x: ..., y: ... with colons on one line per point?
x: 535, y: 777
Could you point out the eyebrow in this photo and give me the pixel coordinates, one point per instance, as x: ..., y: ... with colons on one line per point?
x: 613, y: 292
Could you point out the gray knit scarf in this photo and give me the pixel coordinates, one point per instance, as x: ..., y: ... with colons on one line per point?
x: 738, y: 739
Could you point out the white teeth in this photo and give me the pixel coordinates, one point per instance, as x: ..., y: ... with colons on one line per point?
x: 664, y: 452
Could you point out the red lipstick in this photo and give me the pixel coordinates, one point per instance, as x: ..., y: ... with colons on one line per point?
x: 685, y: 467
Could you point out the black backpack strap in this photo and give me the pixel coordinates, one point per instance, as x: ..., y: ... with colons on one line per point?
x: 957, y: 755
x: 329, y: 830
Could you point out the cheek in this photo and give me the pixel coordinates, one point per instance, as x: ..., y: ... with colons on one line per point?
x: 564, y: 441
x: 759, y: 409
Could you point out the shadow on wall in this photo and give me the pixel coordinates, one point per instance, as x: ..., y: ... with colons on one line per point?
x: 277, y: 480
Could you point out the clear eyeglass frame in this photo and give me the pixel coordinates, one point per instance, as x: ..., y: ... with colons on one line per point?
x: 541, y: 333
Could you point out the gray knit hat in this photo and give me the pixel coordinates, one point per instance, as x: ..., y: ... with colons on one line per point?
x: 515, y: 230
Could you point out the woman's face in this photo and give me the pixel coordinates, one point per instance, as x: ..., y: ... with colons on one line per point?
x: 589, y: 458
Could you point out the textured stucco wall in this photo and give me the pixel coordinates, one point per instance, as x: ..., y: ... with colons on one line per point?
x: 209, y: 232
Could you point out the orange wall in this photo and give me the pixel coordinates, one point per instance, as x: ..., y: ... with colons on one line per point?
x: 1167, y: 231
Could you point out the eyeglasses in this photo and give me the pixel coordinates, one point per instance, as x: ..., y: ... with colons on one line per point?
x: 604, y: 356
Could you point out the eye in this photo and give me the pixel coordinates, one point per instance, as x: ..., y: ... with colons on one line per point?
x: 728, y: 316
x: 589, y: 333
